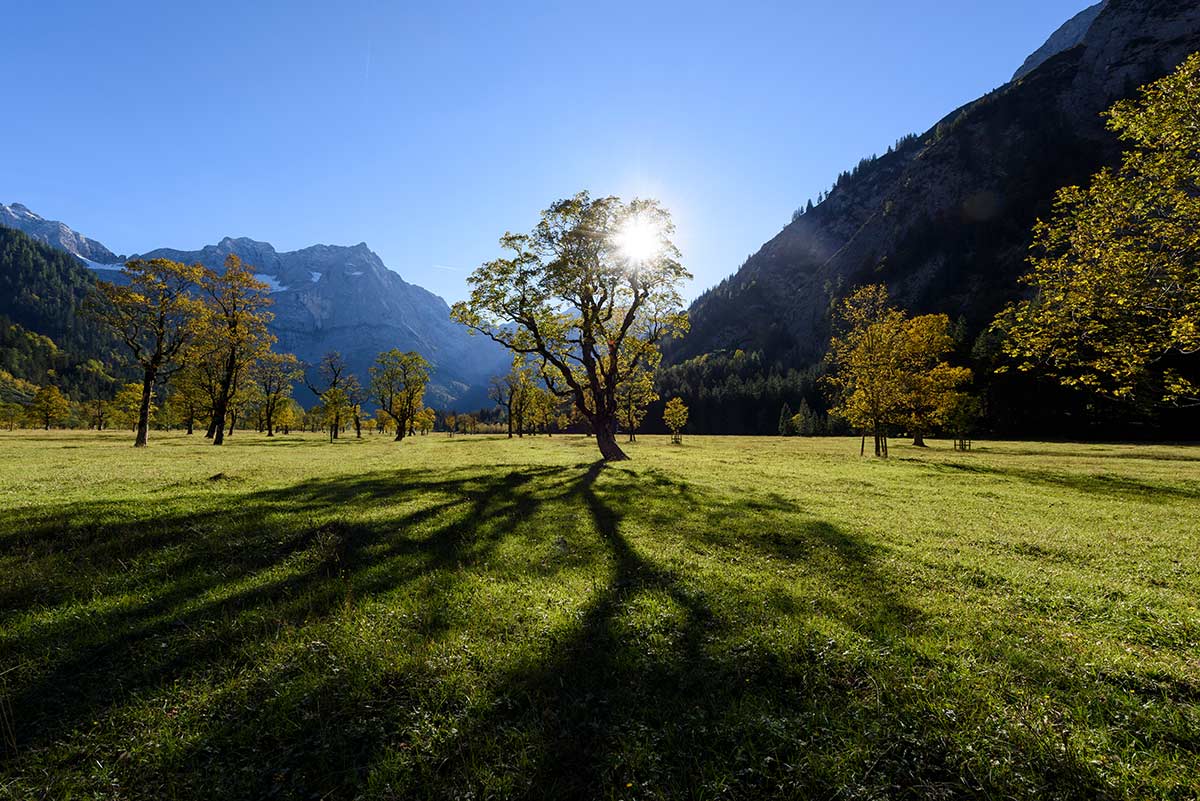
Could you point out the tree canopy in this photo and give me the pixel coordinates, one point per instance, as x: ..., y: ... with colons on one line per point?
x: 590, y: 292
x: 1116, y: 269
x: 889, y: 369
x: 157, y: 315
x: 398, y: 385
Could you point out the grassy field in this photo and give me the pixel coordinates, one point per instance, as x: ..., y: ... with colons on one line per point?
x: 484, y: 618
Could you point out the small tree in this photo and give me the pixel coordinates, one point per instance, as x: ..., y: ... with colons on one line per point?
x: 331, y: 373
x: 10, y: 414
x: 98, y: 413
x: 426, y: 420
x: 675, y: 415
x: 49, y: 406
x: 355, y: 396
x: 866, y: 363
x: 126, y: 405
x: 157, y: 316
x: 786, y: 429
x: 635, y: 392
x: 335, y: 406
x: 289, y: 415
x: 806, y: 422
x: 236, y: 332
x: 505, y: 390
x: 888, y: 369
x: 398, y: 385
x: 930, y: 385
x: 274, y: 374
x: 962, y: 416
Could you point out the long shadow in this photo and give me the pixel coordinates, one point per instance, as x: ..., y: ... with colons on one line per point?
x: 172, y: 634
x: 1155, y: 456
x: 1086, y: 483
x: 603, y: 714
x: 708, y: 709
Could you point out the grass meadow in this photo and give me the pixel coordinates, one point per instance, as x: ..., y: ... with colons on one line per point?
x: 474, y: 617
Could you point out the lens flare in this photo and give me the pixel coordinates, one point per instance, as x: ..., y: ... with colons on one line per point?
x: 639, y: 239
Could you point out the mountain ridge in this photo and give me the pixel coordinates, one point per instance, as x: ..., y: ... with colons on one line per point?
x: 1070, y: 34
x: 945, y: 219
x: 325, y: 298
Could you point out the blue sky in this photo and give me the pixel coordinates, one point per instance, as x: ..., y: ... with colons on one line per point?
x: 428, y: 129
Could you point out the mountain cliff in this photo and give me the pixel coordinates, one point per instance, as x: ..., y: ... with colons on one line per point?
x: 945, y: 219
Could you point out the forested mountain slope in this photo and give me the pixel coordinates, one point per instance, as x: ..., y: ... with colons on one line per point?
x: 945, y: 219
x: 45, y: 334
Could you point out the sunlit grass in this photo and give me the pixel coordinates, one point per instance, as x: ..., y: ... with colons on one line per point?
x: 479, y: 617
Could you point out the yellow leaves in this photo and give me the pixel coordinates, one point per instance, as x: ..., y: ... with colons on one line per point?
x: 887, y: 367
x: 675, y: 415
x: 1115, y: 268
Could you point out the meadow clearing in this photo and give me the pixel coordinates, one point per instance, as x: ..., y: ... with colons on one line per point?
x: 474, y: 617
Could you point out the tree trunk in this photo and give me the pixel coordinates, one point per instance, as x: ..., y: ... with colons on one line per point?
x: 606, y: 438
x: 232, y: 423
x: 222, y: 403
x: 143, y: 425
x: 918, y: 440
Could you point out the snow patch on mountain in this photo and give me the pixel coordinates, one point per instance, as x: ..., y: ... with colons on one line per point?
x: 270, y: 281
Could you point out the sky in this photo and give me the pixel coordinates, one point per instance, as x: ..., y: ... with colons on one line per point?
x: 427, y: 130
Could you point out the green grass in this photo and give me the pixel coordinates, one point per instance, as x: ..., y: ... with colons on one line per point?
x: 484, y: 618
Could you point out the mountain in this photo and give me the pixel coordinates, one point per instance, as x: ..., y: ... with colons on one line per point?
x: 325, y: 298
x: 1069, y: 35
x: 55, y: 234
x: 44, y: 334
x: 330, y: 297
x: 945, y: 219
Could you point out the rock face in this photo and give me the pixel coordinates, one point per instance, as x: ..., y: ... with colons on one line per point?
x: 945, y: 220
x: 1069, y: 35
x: 55, y: 234
x: 332, y: 298
x: 326, y: 298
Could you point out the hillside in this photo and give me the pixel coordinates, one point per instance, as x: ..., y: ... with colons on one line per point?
x: 45, y: 336
x: 55, y: 234
x: 325, y: 298
x: 945, y: 219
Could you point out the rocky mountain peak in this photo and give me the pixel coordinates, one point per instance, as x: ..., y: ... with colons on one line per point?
x: 1071, y: 34
x: 55, y: 234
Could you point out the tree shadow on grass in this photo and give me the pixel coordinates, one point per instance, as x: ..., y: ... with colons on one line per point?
x: 668, y: 682
x: 609, y: 713
x: 184, y: 584
x: 1115, y: 486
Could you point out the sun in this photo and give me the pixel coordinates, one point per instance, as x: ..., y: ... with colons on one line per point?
x: 639, y: 239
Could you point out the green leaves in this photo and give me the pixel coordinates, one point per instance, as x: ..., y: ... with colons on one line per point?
x: 1117, y: 267
x: 576, y: 295
x: 889, y: 368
